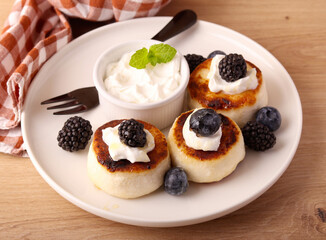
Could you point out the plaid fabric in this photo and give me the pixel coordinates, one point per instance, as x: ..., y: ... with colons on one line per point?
x: 33, y: 32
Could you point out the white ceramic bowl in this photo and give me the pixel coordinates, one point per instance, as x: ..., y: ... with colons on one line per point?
x: 161, y: 113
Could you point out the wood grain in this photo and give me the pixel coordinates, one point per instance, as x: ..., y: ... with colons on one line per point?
x: 293, y: 208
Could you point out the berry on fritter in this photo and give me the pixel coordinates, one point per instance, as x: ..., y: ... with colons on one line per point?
x: 176, y: 181
x: 75, y: 134
x: 258, y: 136
x: 194, y: 60
x: 216, y: 52
x: 205, y: 122
x: 270, y: 117
x: 232, y: 67
x: 131, y: 133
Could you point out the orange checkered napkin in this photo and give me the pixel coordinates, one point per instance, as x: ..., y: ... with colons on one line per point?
x: 33, y: 32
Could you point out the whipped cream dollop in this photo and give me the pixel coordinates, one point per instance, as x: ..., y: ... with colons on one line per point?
x: 208, y: 143
x: 119, y: 150
x: 216, y: 83
x: 147, y: 85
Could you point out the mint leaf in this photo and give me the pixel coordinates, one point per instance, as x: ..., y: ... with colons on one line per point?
x: 157, y: 53
x: 152, y: 58
x: 139, y: 59
x: 163, y: 52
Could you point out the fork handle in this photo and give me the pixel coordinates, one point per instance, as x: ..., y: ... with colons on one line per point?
x: 179, y: 23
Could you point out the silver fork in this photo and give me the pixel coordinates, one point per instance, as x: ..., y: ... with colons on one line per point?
x: 83, y: 98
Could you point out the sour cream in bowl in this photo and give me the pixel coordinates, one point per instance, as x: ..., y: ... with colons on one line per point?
x: 154, y: 94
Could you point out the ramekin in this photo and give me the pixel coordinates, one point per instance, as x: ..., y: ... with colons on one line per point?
x: 161, y: 113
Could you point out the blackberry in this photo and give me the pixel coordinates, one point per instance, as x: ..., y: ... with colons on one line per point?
x: 194, y: 60
x: 75, y: 134
x: 176, y: 181
x: 131, y: 133
x: 232, y: 67
x: 205, y: 122
x: 257, y: 136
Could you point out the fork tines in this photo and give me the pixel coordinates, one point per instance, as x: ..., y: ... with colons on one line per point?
x: 83, y: 98
x: 60, y: 98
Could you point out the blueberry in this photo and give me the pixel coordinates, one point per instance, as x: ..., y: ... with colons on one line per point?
x: 205, y: 122
x: 216, y: 52
x: 270, y: 117
x: 176, y: 181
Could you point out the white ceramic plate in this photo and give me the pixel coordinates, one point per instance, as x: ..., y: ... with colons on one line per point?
x: 71, y: 68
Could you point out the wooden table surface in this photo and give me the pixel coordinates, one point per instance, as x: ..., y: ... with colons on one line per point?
x: 294, y: 31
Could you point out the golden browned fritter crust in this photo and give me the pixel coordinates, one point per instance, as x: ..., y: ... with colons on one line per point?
x: 157, y: 155
x: 230, y: 136
x: 199, y: 91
